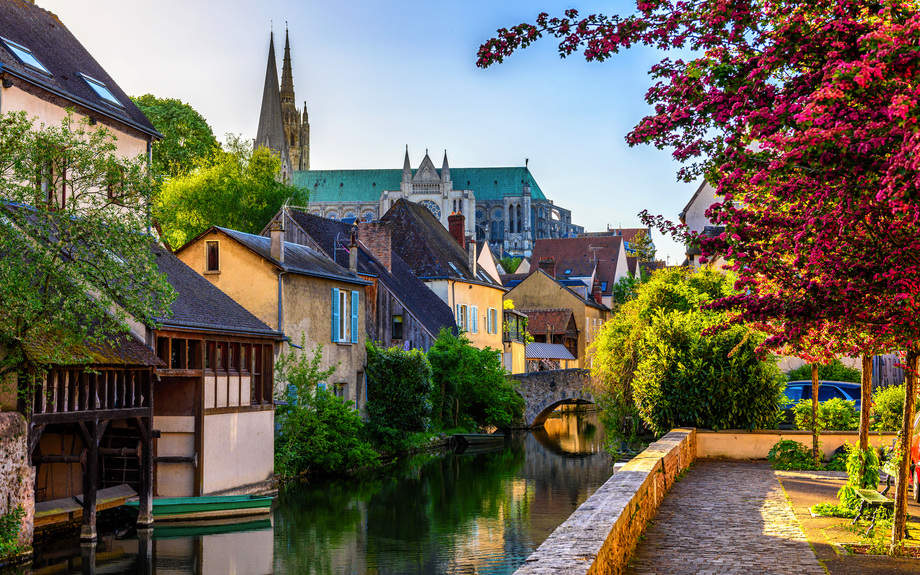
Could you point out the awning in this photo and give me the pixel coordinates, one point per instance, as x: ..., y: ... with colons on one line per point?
x: 547, y: 351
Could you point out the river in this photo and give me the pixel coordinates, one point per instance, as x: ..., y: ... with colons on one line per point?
x: 433, y: 513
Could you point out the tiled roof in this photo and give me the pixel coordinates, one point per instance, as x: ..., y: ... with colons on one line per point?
x: 648, y: 267
x: 541, y: 320
x: 631, y: 262
x: 52, y: 44
x: 574, y: 254
x: 297, y: 259
x: 509, y: 280
x: 423, y: 303
x: 344, y: 186
x: 199, y: 304
x: 426, y: 246
x: 547, y: 351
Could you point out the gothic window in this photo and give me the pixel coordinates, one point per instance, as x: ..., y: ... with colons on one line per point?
x: 432, y: 207
x: 497, y: 214
x: 518, y: 218
x: 333, y: 215
x: 368, y: 216
x: 480, y: 214
x: 496, y: 234
x: 350, y: 214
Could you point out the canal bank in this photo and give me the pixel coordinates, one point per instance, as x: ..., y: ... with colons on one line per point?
x: 431, y: 513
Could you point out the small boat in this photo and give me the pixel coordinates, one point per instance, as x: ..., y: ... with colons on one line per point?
x: 214, y: 507
x: 467, y: 439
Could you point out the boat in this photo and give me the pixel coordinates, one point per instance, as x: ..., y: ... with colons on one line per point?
x: 469, y: 439
x: 213, y: 507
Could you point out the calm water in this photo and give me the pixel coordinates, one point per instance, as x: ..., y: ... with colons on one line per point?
x: 465, y: 513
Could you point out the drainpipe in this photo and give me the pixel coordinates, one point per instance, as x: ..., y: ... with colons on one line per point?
x: 149, y: 164
x: 281, y: 303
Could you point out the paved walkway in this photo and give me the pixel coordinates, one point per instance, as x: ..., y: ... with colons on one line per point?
x: 725, y: 518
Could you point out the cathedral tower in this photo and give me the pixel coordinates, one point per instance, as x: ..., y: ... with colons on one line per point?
x: 270, y: 133
x: 296, y: 126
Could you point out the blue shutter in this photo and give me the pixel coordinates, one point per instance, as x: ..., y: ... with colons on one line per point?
x: 354, y: 317
x: 335, y: 314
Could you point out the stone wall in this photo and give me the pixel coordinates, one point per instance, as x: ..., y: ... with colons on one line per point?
x: 743, y: 444
x: 542, y: 390
x: 17, y: 477
x: 600, y: 536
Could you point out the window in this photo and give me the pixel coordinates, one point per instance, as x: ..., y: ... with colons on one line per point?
x: 213, y: 256
x: 793, y: 393
x: 461, y: 315
x: 101, y: 90
x: 343, y: 302
x: 474, y: 319
x: 397, y: 327
x: 339, y: 390
x: 25, y: 56
x: 343, y: 317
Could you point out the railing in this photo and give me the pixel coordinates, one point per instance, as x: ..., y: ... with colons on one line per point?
x: 69, y: 395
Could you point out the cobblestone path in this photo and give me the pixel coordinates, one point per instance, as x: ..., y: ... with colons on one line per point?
x: 724, y: 518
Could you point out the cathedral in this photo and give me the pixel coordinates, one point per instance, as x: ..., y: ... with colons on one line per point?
x: 503, y: 206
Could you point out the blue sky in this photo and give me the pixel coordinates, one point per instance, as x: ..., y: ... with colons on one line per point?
x: 377, y: 76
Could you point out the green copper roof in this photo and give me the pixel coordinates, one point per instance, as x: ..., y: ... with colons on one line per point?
x: 365, y: 185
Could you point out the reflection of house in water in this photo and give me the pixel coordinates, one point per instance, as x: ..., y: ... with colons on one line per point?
x: 577, y: 434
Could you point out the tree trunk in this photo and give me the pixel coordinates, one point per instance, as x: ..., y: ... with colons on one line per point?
x: 865, y: 402
x: 899, y: 522
x: 815, y: 386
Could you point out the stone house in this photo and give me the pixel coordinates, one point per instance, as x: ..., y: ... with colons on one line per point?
x: 541, y: 291
x: 448, y: 265
x: 584, y: 263
x: 401, y: 310
x: 296, y: 290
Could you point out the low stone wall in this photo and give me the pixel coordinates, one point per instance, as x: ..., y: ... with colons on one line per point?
x: 17, y: 477
x: 743, y: 444
x: 600, y: 536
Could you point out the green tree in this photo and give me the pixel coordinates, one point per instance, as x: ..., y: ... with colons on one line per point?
x: 187, y: 138
x: 625, y: 289
x: 656, y: 358
x: 73, y: 222
x: 643, y: 248
x: 399, y: 395
x: 833, y: 371
x: 237, y: 188
x: 510, y: 264
x: 318, y: 431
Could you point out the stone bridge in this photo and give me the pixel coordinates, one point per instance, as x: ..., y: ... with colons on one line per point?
x: 544, y: 391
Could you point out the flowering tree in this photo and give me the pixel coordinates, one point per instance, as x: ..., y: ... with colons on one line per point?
x: 804, y: 116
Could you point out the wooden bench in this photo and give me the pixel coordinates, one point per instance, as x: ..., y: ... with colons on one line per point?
x: 871, y: 499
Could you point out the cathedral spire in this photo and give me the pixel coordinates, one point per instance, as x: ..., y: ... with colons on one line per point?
x: 407, y: 167
x: 270, y: 133
x: 445, y: 169
x: 287, y: 77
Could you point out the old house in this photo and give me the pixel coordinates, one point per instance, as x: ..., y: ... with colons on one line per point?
x: 448, y: 264
x: 589, y: 260
x: 541, y: 291
x: 213, y: 399
x: 294, y: 289
x: 553, y: 326
x: 694, y: 217
x: 400, y: 309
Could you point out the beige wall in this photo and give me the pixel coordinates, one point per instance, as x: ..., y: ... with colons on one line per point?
x: 246, y: 277
x: 741, y: 444
x: 481, y: 296
x: 238, y: 449
x: 177, y: 438
x: 130, y: 142
x: 514, y: 357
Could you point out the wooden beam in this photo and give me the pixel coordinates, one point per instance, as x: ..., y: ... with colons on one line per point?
x: 90, y: 483
x: 145, y: 502
x: 89, y: 416
x: 35, y: 434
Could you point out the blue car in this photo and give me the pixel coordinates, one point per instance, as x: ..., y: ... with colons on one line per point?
x: 798, y: 390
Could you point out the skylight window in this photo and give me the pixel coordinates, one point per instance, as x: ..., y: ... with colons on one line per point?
x: 567, y: 272
x: 25, y: 56
x: 101, y: 90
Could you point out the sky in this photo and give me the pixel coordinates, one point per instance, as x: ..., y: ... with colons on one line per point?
x: 378, y: 76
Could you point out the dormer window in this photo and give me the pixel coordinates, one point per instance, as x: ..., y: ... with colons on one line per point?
x: 25, y: 56
x: 101, y: 90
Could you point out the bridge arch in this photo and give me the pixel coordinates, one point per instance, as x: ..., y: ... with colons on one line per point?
x: 544, y: 391
x: 536, y: 413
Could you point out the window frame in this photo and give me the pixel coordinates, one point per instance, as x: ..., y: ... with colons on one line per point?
x: 344, y: 316
x: 208, y: 244
x: 393, y: 323
x: 97, y: 85
x: 15, y: 48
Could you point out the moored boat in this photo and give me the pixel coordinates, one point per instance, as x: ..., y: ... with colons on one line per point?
x: 214, y: 507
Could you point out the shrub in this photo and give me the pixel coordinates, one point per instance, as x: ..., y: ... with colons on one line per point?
x: 398, y: 395
x: 837, y: 414
x: 788, y: 454
x: 889, y: 408
x: 834, y: 371
x: 318, y: 432
x: 862, y: 473
x: 10, y: 524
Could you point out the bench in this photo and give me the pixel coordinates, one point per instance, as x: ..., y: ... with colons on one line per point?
x: 871, y: 499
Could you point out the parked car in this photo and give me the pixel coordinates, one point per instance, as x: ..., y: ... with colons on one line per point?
x: 798, y: 390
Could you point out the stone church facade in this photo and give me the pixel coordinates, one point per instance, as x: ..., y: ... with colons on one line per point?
x: 504, y: 206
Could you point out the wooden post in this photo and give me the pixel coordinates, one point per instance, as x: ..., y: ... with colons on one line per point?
x: 145, y: 551
x: 815, y: 386
x: 145, y: 426
x: 899, y: 521
x: 88, y: 557
x: 91, y: 481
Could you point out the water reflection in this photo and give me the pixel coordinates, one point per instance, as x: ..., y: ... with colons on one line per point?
x: 479, y: 512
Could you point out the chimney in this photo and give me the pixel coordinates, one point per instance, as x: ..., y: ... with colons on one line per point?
x: 377, y: 237
x: 456, y: 224
x: 597, y: 293
x: 471, y: 248
x: 549, y: 266
x: 353, y: 252
x: 277, y: 235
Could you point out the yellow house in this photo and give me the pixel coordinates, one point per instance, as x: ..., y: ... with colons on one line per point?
x: 297, y: 291
x: 448, y: 264
x: 540, y: 291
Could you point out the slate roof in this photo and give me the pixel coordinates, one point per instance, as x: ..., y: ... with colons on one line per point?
x: 631, y: 264
x: 574, y: 254
x: 547, y: 351
x: 401, y: 281
x: 343, y: 186
x: 58, y: 50
x: 541, y: 320
x: 297, y: 259
x: 511, y: 280
x: 201, y: 305
x: 427, y: 247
